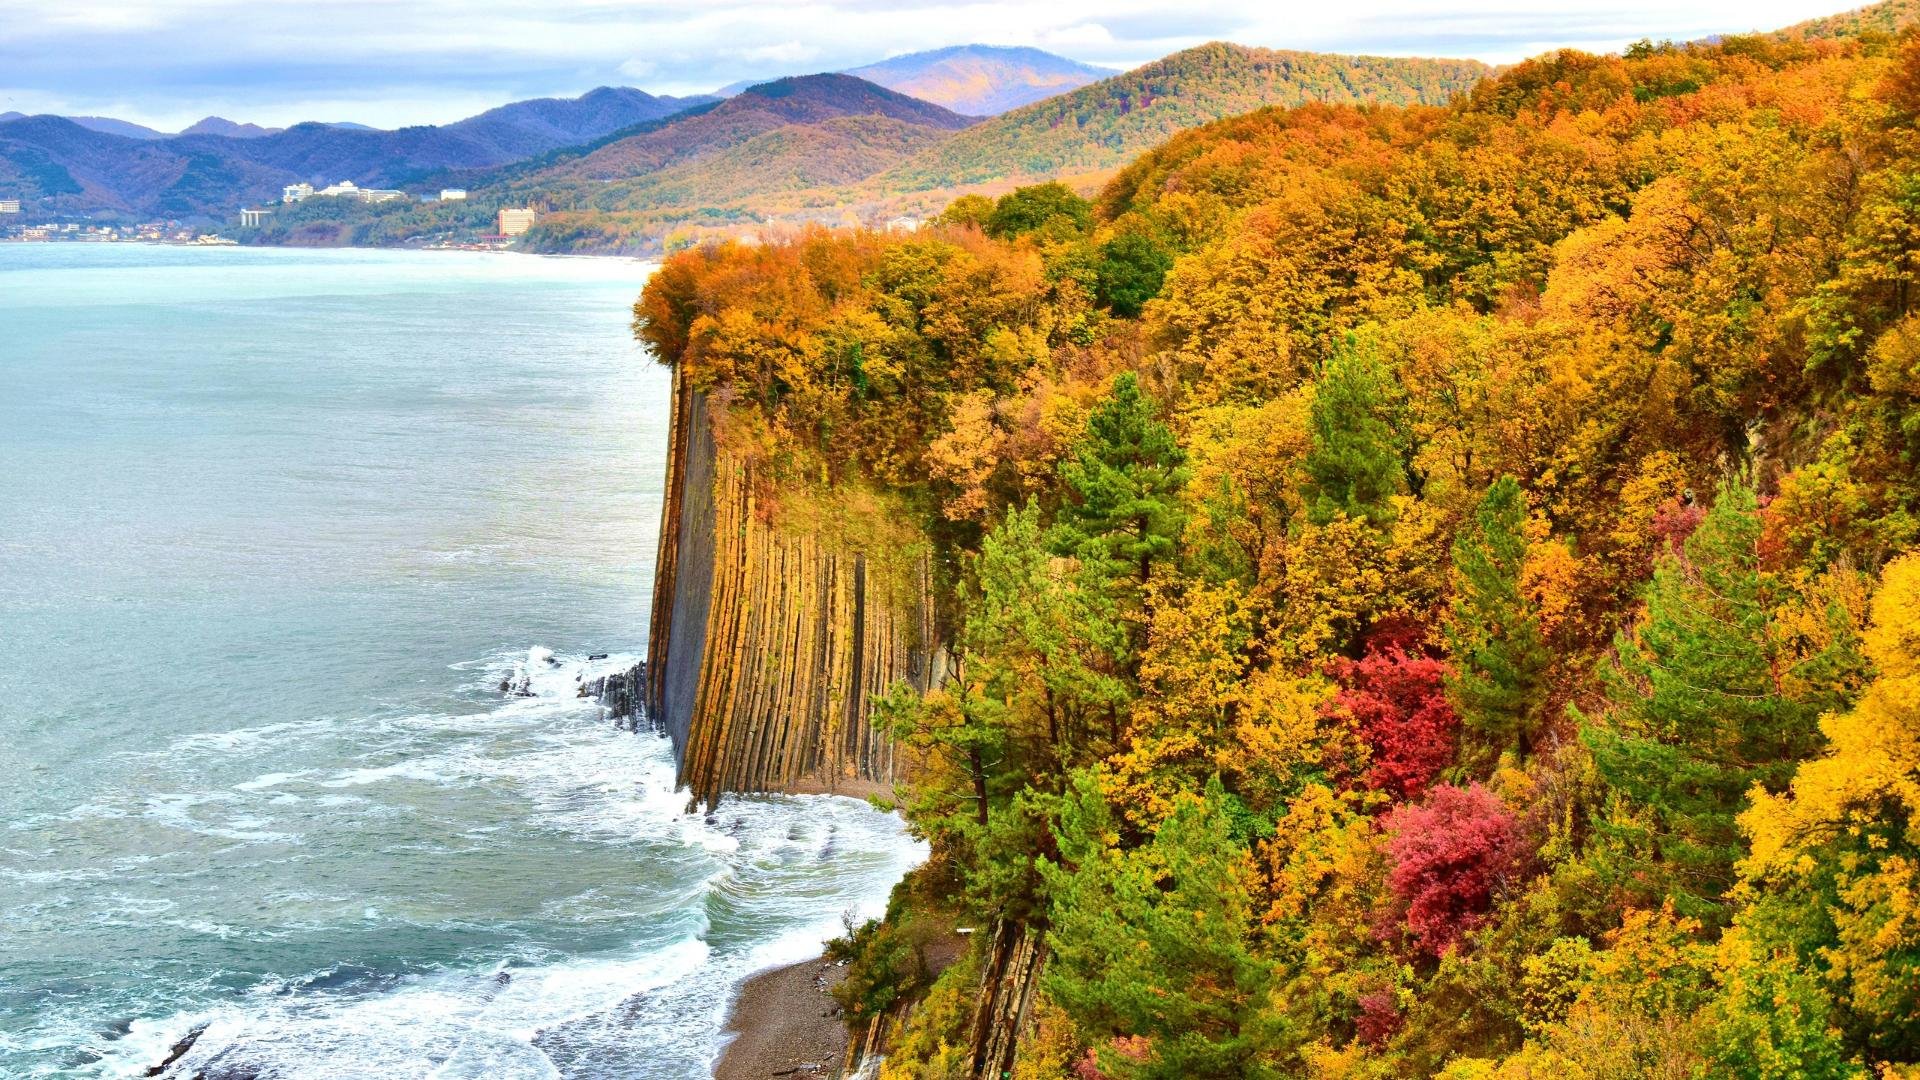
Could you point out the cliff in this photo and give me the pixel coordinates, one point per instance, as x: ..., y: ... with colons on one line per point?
x: 777, y: 615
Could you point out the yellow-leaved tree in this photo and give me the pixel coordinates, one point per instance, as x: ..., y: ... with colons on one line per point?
x: 1837, y: 857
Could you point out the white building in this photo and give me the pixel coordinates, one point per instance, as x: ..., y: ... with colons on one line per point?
x: 514, y: 221
x: 9, y: 206
x: 294, y: 193
x: 253, y: 219
x: 347, y: 189
x: 452, y: 194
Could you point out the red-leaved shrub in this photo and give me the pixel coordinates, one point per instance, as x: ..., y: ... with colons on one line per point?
x: 1398, y: 702
x: 1379, y: 1020
x: 1448, y: 855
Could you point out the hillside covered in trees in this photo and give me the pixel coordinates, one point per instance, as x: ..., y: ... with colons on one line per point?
x: 1432, y: 590
x: 1104, y: 124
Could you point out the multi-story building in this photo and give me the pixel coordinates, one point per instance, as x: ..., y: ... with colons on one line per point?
x: 9, y: 206
x: 515, y: 220
x: 347, y: 189
x: 294, y: 193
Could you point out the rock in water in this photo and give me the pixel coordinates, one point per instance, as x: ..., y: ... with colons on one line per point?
x: 520, y: 683
x: 622, y: 691
x: 179, y: 1050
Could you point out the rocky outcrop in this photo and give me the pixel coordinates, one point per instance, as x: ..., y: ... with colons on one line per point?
x: 1001, y: 1021
x: 773, y: 630
x: 1003, y: 1012
x: 621, y: 692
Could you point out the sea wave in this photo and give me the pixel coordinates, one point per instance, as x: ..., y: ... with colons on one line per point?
x: 711, y: 898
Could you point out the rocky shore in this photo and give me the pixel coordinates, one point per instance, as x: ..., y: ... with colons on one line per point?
x: 784, y: 1024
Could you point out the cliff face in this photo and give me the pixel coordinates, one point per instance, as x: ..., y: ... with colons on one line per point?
x: 775, y: 621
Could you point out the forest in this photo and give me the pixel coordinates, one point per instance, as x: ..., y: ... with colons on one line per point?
x: 1431, y: 589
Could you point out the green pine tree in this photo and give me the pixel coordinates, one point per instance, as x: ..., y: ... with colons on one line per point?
x: 1131, y: 270
x: 1157, y: 943
x: 1356, y: 463
x: 1698, y: 715
x: 1500, y: 659
x: 1124, y: 478
x: 1045, y: 644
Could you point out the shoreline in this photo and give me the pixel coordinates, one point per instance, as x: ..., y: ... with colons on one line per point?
x: 601, y: 256
x: 782, y: 1022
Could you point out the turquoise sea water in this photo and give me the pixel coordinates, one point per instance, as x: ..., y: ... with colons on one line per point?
x: 273, y: 526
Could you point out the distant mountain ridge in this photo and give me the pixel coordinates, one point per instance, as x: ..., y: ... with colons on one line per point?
x: 1103, y: 124
x: 106, y: 125
x: 77, y: 168
x: 220, y: 125
x: 981, y: 80
x: 525, y: 128
x: 802, y: 99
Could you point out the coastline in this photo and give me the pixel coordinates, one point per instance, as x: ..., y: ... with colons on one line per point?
x: 783, y: 1022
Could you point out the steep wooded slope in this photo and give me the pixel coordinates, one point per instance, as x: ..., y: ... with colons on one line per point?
x: 806, y: 99
x: 1104, y: 124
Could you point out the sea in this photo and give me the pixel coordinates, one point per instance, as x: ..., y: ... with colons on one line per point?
x: 275, y: 525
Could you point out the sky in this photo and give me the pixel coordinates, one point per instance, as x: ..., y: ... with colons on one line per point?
x: 167, y: 63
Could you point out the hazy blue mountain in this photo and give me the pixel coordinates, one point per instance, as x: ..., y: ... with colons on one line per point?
x: 982, y: 80
x: 219, y: 125
x: 85, y: 166
x: 526, y: 128
x: 973, y: 80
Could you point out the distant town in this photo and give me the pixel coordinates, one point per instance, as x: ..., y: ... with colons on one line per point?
x: 510, y: 222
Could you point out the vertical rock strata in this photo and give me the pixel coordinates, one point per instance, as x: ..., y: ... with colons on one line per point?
x: 770, y: 637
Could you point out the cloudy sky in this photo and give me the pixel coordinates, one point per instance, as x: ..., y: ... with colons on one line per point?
x: 169, y: 62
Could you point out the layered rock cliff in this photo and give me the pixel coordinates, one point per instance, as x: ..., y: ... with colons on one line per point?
x: 777, y: 615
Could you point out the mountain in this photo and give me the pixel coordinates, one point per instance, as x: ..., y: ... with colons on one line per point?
x: 785, y: 160
x: 217, y: 125
x: 804, y: 99
x: 107, y: 125
x: 66, y: 168
x: 981, y: 80
x: 526, y: 128
x: 216, y: 167
x: 1886, y: 17
x: 1101, y: 125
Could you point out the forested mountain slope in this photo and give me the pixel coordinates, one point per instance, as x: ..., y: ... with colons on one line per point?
x: 1104, y: 124
x: 1886, y: 17
x: 1432, y: 590
x: 805, y: 99
x: 525, y: 128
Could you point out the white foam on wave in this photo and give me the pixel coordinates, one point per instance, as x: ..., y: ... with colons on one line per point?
x: 780, y: 871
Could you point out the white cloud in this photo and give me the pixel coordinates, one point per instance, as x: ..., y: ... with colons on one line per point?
x: 1078, y: 36
x: 786, y: 52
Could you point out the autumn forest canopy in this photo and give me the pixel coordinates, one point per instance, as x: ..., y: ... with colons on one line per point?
x: 1431, y: 589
